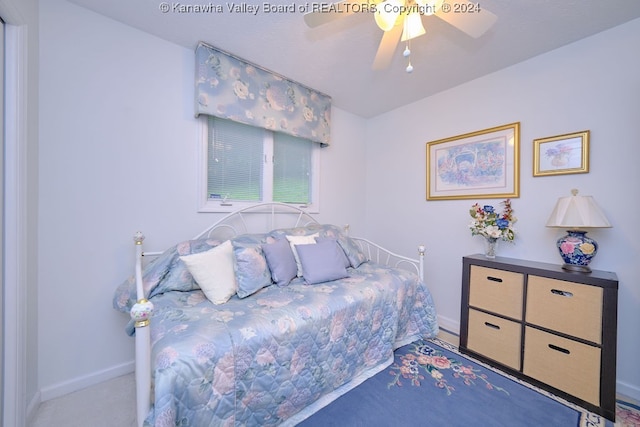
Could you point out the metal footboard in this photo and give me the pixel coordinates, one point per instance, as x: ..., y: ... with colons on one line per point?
x: 380, y: 255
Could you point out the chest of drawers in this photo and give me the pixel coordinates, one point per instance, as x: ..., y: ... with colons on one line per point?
x: 553, y: 328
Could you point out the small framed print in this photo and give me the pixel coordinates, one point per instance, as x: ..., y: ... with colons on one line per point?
x: 562, y: 154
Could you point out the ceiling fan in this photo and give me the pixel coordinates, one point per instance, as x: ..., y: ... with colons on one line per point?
x: 401, y: 20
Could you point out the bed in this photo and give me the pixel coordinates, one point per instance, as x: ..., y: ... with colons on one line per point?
x: 229, y: 333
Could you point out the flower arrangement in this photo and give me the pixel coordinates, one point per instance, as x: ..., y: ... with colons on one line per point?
x: 559, y: 154
x: 488, y: 223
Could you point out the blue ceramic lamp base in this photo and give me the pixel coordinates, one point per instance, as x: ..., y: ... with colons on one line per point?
x: 577, y: 250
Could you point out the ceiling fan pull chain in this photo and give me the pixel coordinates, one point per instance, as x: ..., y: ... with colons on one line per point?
x: 409, y: 68
x: 407, y: 54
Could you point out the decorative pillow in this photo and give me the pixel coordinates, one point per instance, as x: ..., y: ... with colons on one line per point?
x: 281, y: 261
x: 348, y: 245
x: 322, y: 262
x: 175, y: 275
x: 353, y: 252
x: 344, y: 257
x: 251, y: 269
x: 299, y: 241
x: 213, y: 271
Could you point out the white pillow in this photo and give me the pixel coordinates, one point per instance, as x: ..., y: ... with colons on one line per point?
x: 301, y: 240
x: 213, y: 271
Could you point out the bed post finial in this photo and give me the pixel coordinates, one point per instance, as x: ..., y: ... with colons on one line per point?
x: 141, y: 313
x: 138, y: 237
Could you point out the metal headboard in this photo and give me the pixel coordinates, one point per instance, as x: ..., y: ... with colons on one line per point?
x: 259, y: 218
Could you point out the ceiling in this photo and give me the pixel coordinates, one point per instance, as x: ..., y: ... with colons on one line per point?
x: 336, y: 58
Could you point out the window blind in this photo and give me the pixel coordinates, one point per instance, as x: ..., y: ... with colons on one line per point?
x: 291, y: 169
x: 235, y: 161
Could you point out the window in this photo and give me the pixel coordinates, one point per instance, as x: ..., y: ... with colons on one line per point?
x: 247, y: 165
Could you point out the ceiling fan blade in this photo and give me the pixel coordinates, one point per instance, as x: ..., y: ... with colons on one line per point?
x: 474, y: 23
x: 326, y: 12
x: 388, y: 46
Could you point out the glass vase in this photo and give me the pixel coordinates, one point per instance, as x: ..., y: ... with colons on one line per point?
x: 490, y: 247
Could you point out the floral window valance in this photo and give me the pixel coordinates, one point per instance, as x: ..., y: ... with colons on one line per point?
x: 232, y: 88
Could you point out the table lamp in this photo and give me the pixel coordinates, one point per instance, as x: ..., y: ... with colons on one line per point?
x: 576, y: 214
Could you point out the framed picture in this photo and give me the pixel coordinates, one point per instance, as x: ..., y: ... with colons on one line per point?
x: 483, y: 164
x: 562, y: 154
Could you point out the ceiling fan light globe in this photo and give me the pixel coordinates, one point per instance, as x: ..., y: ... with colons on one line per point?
x: 386, y: 15
x: 412, y: 27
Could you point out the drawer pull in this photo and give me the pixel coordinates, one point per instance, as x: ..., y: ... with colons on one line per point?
x: 560, y: 349
x: 494, y: 279
x: 561, y: 293
x: 491, y: 325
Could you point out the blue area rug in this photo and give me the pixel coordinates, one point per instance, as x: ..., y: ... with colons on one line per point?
x: 430, y: 383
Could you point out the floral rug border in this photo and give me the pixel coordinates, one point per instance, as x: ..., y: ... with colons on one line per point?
x: 627, y: 414
x: 587, y: 418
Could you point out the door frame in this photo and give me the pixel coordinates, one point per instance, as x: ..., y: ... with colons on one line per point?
x: 15, y: 217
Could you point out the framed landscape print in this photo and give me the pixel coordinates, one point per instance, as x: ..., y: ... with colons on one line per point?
x: 483, y: 164
x: 562, y: 154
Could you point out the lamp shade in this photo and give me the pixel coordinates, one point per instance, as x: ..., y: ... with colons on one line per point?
x: 577, y: 212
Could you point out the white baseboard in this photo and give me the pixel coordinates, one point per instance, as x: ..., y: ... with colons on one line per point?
x: 66, y: 387
x: 449, y: 325
x: 628, y: 390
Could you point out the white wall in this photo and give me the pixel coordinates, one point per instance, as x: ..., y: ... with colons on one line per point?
x: 592, y: 84
x: 118, y: 153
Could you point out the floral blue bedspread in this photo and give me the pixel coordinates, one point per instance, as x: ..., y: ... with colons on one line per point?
x: 260, y: 360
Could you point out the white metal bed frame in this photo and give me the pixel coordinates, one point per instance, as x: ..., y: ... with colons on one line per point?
x: 264, y: 216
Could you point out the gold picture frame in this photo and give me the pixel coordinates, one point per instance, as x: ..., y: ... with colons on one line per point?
x: 477, y: 165
x: 562, y: 154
